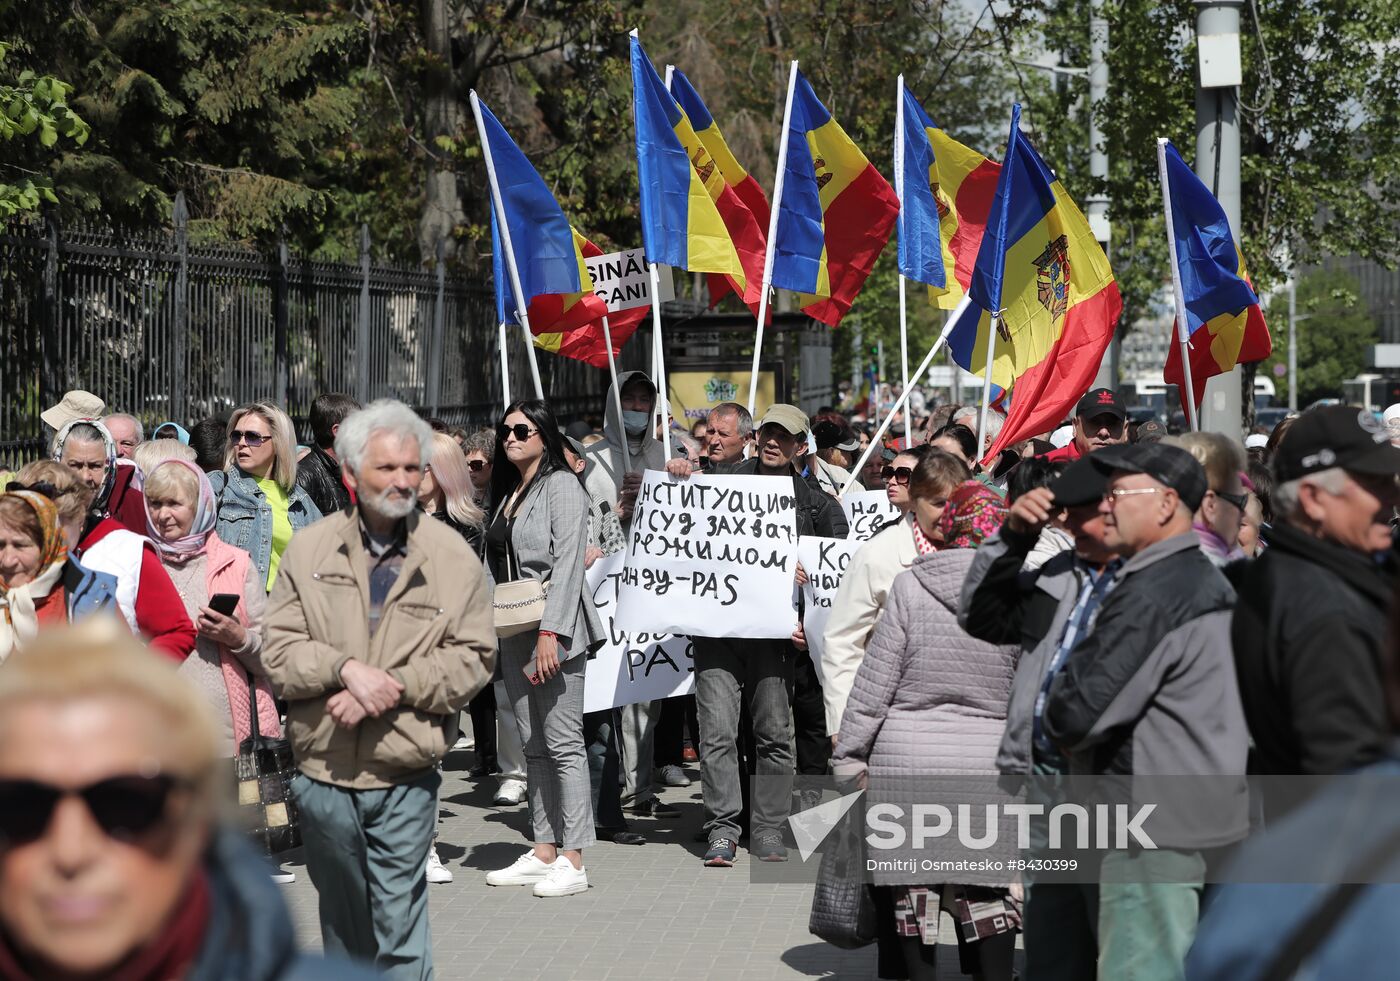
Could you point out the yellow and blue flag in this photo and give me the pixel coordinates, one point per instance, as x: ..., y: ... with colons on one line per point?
x: 681, y: 224
x: 1224, y: 321
x: 1039, y: 265
x: 836, y: 212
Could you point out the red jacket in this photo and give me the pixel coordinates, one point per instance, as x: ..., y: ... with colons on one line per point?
x: 160, y: 613
x: 127, y: 505
x: 1065, y: 454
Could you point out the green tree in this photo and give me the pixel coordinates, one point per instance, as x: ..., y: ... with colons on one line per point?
x: 1334, y: 332
x: 33, y: 106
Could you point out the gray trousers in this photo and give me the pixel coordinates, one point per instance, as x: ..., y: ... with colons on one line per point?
x: 550, y: 719
x: 509, y: 755
x: 637, y: 750
x: 365, y: 851
x: 759, y: 672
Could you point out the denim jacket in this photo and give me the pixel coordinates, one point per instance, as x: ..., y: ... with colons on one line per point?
x: 245, y: 517
x: 87, y: 592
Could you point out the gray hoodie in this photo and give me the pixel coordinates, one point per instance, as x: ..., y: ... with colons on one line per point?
x: 603, y: 478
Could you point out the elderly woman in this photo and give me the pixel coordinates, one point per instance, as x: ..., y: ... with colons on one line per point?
x: 145, y: 596
x: 113, y: 863
x: 539, y: 531
x: 866, y: 585
x: 260, y: 505
x: 86, y: 446
x: 224, y: 665
x: 929, y: 699
x: 40, y: 584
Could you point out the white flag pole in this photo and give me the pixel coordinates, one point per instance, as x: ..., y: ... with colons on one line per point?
x: 662, y: 398
x: 505, y: 368
x: 772, y: 237
x: 505, y: 240
x: 899, y: 193
x: 1178, y: 293
x: 904, y: 397
x: 617, y: 394
x: 987, y: 385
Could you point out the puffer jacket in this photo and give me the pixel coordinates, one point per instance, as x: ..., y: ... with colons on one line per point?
x: 928, y: 698
x: 245, y: 517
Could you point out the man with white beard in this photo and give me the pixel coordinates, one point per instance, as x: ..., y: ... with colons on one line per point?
x: 378, y: 629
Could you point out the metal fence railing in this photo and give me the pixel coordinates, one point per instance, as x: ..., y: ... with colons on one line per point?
x: 166, y: 329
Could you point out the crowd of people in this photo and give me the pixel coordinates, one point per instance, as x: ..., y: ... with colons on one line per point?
x: 1113, y: 602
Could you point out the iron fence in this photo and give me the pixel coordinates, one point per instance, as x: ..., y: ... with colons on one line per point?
x: 168, y: 329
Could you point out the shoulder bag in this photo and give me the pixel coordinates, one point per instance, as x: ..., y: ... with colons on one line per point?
x: 518, y: 603
x: 264, y: 768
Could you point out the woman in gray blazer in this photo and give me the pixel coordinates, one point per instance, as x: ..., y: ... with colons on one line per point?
x: 539, y: 530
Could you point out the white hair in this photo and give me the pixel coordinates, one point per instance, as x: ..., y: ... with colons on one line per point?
x: 381, y: 416
x: 972, y: 414
x: 1285, y: 496
x: 140, y: 429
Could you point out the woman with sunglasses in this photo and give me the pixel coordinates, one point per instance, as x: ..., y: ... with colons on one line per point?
x: 1218, y: 520
x: 112, y: 861
x: 872, y: 570
x: 929, y: 699
x: 539, y: 530
x: 446, y: 491
x: 260, y: 505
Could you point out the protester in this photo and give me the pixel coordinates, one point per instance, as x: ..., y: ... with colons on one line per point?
x: 260, y: 504
x: 479, y: 449
x: 1047, y: 609
x: 446, y: 491
x: 1217, y: 522
x: 1311, y: 620
x: 209, y: 440
x: 872, y: 473
x: 85, y: 446
x: 861, y: 598
x: 836, y: 447
x: 318, y: 473
x: 1151, y: 690
x: 971, y: 418
x: 109, y: 804
x: 377, y: 630
x: 1252, y: 525
x: 1054, y: 537
x: 127, y: 432
x: 153, y: 452
x: 958, y: 440
x: 171, y: 430
x: 40, y: 583
x: 539, y: 530
x: 76, y: 404
x: 929, y: 699
x: 1100, y: 419
x: 146, y: 598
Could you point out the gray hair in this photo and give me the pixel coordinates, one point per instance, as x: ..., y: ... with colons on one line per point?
x: 482, y: 441
x: 1284, y: 499
x: 973, y: 415
x: 140, y: 429
x: 744, y: 417
x: 381, y: 416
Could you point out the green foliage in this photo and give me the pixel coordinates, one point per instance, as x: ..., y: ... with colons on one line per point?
x: 34, y: 105
x: 1334, y: 332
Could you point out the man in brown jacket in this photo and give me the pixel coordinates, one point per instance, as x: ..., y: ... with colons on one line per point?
x: 379, y: 628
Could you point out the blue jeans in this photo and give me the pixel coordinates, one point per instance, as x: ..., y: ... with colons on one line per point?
x: 365, y: 851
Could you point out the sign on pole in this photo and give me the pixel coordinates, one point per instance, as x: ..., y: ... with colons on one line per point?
x: 867, y: 512
x: 623, y: 280
x: 825, y: 561
x: 713, y: 556
x: 630, y: 668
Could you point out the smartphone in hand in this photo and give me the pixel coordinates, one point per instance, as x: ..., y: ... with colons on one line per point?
x: 532, y: 671
x: 224, y: 603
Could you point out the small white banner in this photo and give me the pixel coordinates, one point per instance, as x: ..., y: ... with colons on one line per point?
x: 636, y: 668
x: 867, y: 512
x: 825, y: 561
x: 622, y: 279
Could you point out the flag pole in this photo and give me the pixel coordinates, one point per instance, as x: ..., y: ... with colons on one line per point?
x: 1183, y: 326
x: 772, y: 236
x: 662, y: 399
x: 904, y: 396
x: 617, y: 394
x: 505, y: 240
x: 505, y: 368
x: 899, y: 193
x: 987, y: 386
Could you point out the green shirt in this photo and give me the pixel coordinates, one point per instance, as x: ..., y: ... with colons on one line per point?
x: 281, y: 525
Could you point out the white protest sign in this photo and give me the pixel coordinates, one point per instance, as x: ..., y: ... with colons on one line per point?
x: 711, y: 556
x: 867, y: 512
x: 825, y: 561
x: 636, y: 668
x: 622, y: 279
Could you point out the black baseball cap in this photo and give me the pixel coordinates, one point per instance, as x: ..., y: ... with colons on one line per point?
x: 1150, y: 432
x: 830, y: 436
x: 1168, y: 465
x: 1080, y: 484
x: 1335, y: 436
x: 1098, y: 401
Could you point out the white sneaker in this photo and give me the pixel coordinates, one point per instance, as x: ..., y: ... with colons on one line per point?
x: 280, y: 874
x: 563, y: 880
x: 435, y: 871
x: 526, y: 870
x: 463, y: 743
x: 511, y: 791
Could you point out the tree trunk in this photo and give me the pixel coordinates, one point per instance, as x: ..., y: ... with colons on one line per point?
x: 443, y: 115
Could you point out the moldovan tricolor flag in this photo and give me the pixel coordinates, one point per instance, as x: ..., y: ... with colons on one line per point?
x: 1225, y: 325
x: 740, y: 201
x: 945, y: 193
x: 1040, y: 265
x: 681, y: 224
x: 554, y: 282
x: 836, y: 212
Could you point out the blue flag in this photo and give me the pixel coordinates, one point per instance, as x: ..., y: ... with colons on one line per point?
x: 920, y: 234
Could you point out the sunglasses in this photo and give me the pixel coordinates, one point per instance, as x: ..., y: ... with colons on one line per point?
x: 475, y: 466
x: 123, y: 806
x: 900, y: 475
x: 252, y: 439
x: 1238, y: 500
x: 520, y: 431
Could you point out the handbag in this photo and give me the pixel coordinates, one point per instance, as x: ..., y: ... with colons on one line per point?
x: 264, y: 769
x: 843, y: 905
x: 517, y: 603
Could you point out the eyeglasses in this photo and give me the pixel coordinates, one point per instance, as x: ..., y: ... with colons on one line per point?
x: 476, y: 466
x: 1238, y: 500
x: 252, y: 439
x: 123, y: 806
x: 900, y: 475
x: 520, y: 431
x: 1113, y: 496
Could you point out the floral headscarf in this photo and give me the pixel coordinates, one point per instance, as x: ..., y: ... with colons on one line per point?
x: 18, y: 617
x: 974, y: 512
x: 206, y: 513
x: 104, y: 493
